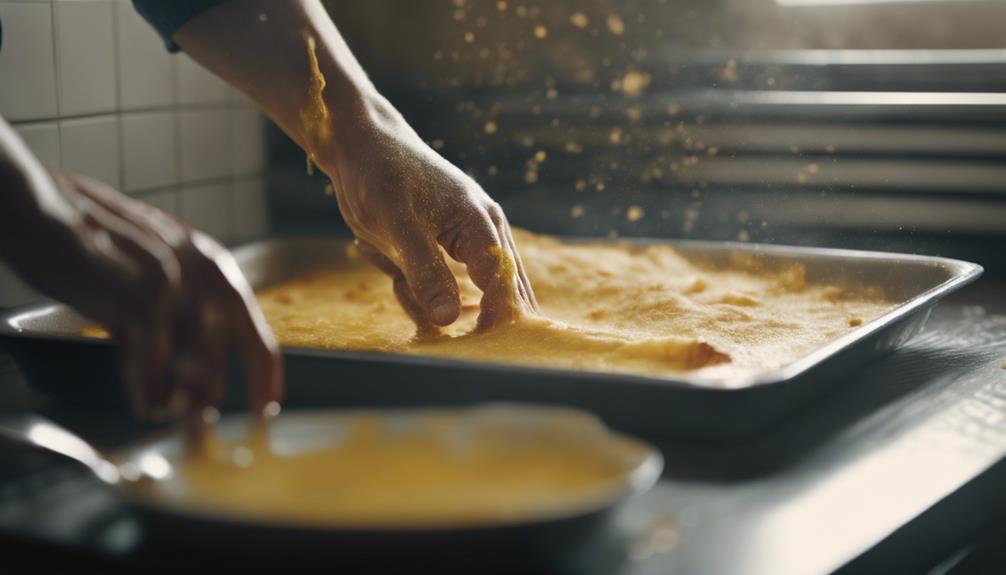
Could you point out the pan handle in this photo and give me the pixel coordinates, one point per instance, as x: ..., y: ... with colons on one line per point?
x: 35, y: 431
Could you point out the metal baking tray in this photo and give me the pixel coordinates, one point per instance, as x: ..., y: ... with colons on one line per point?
x: 45, y: 343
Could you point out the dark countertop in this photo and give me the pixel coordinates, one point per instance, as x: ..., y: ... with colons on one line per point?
x: 898, y: 470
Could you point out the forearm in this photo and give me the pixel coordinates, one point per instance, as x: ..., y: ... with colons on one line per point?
x: 33, y: 210
x: 261, y: 47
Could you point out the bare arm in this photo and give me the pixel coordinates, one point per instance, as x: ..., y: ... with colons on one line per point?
x: 402, y: 200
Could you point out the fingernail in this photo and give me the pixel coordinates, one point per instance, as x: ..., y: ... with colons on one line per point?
x: 444, y: 311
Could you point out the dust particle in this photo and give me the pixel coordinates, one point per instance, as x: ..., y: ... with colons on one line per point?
x: 634, y: 213
x: 615, y: 24
x: 579, y: 19
x: 634, y: 82
x: 729, y: 72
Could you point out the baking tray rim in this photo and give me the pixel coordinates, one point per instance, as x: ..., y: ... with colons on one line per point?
x: 961, y: 272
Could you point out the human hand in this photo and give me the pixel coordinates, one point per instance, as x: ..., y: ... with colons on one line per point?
x: 172, y: 298
x: 403, y: 201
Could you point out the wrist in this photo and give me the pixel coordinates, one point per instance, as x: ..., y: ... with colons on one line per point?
x: 354, y: 122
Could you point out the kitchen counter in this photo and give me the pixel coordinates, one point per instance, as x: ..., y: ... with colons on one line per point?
x: 898, y: 470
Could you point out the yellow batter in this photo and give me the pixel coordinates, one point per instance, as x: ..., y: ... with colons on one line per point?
x: 426, y: 469
x: 604, y: 307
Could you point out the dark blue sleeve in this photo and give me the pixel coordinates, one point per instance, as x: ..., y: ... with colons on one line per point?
x: 167, y: 16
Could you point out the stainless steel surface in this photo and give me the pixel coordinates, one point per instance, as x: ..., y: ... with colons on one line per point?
x: 38, y: 432
x: 901, y: 468
x: 647, y: 406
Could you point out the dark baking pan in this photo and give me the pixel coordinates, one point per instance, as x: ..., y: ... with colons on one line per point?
x: 44, y: 341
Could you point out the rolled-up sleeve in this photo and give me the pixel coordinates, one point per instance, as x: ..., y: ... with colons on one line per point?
x: 167, y: 16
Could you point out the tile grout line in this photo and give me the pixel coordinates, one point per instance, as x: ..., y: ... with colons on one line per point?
x: 176, y: 126
x: 120, y: 128
x: 209, y: 106
x: 56, y: 82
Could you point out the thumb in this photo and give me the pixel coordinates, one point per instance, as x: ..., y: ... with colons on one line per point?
x: 430, y: 280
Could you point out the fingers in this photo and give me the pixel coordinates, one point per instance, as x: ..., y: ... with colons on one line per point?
x: 429, y: 279
x: 402, y: 291
x: 263, y: 362
x: 142, y: 316
x: 233, y: 321
x: 492, y: 267
x: 506, y: 237
x: 176, y: 303
x: 145, y: 359
x: 252, y: 336
x: 476, y: 244
x: 201, y: 372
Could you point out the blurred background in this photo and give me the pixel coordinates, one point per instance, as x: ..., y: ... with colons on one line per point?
x: 847, y: 123
x: 856, y: 123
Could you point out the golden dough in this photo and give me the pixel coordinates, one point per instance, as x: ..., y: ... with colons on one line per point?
x: 604, y: 307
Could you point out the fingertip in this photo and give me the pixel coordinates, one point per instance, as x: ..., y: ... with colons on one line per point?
x: 273, y: 394
x: 444, y: 310
x: 263, y: 368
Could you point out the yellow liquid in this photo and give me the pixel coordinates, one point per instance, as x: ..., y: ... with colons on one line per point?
x: 603, y: 307
x: 446, y: 468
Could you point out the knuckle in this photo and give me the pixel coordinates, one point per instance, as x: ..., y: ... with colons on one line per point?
x: 495, y: 212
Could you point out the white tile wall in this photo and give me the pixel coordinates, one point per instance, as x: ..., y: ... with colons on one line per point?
x: 43, y: 139
x: 204, y: 149
x: 90, y: 146
x: 149, y: 146
x: 85, y: 56
x: 249, y: 209
x: 27, y: 62
x: 166, y: 201
x: 146, y: 70
x: 247, y: 141
x: 89, y: 87
x: 207, y: 208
